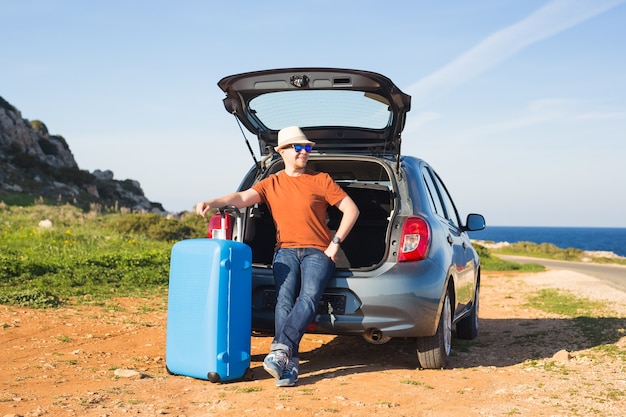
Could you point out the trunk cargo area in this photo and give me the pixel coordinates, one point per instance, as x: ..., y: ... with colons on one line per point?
x: 368, y: 183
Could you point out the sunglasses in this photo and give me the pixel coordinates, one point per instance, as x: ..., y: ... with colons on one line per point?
x: 298, y: 148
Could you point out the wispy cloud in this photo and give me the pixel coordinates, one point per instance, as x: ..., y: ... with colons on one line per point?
x: 551, y: 19
x: 539, y: 112
x: 602, y: 116
x: 423, y: 118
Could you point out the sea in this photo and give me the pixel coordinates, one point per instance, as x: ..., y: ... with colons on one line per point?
x: 585, y: 238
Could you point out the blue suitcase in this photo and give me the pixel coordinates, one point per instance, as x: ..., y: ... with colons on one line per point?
x: 209, y: 314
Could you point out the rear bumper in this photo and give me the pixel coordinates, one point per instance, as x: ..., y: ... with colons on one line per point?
x: 397, y: 299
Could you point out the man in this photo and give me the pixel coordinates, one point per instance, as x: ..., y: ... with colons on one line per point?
x: 305, y: 255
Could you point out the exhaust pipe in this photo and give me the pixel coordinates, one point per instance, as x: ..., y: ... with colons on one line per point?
x: 375, y: 336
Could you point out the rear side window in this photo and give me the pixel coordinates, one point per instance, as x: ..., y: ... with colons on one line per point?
x: 434, y: 199
x: 440, y: 200
x: 451, y: 213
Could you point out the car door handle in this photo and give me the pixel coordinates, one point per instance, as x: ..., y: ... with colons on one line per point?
x: 450, y: 239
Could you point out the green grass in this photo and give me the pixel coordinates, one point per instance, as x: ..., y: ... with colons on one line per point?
x: 612, y: 351
x: 591, y: 318
x: 18, y: 199
x: 489, y: 262
x: 88, y: 257
x: 541, y: 250
x: 85, y: 257
x: 565, y: 304
x: 550, y: 251
x: 247, y: 390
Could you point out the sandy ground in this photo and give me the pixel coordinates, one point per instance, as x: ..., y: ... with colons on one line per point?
x: 74, y: 362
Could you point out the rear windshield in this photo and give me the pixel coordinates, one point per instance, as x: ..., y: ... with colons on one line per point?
x: 309, y: 108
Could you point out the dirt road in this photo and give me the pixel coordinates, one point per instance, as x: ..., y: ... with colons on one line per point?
x: 72, y: 362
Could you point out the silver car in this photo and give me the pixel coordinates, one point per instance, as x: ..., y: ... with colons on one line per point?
x: 407, y: 269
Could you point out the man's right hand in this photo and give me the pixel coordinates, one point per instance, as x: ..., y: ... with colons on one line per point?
x: 202, y: 208
x: 240, y: 199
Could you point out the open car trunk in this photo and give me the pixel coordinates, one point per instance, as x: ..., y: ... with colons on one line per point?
x: 367, y: 181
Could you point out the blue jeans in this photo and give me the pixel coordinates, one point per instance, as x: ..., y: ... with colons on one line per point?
x: 300, y: 276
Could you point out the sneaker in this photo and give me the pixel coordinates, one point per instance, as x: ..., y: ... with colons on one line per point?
x: 290, y: 374
x: 276, y: 362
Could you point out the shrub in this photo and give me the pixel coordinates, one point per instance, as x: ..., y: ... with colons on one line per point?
x: 490, y: 262
x: 155, y: 226
x: 31, y: 298
x: 39, y: 126
x: 82, y: 257
x: 542, y: 250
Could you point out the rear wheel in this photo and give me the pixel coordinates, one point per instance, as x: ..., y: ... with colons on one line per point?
x: 433, y: 352
x: 467, y: 328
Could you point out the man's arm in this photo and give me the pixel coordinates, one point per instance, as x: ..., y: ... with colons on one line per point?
x: 350, y: 214
x: 239, y: 199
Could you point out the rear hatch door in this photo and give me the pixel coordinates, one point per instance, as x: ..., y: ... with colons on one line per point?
x: 342, y: 110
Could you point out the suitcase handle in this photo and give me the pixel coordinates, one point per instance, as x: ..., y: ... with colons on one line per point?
x: 238, y: 225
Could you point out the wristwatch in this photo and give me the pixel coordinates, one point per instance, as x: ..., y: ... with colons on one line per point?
x: 336, y: 240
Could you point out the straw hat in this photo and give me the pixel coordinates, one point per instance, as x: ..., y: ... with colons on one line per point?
x: 291, y: 135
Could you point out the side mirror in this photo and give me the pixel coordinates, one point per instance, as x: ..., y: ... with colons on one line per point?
x: 475, y: 222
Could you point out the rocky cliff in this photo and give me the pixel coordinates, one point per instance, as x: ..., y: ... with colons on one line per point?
x: 36, y: 163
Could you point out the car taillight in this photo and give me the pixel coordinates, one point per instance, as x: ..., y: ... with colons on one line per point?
x: 216, y: 223
x: 415, y: 240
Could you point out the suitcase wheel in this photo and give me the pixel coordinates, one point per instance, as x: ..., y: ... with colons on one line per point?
x: 215, y: 377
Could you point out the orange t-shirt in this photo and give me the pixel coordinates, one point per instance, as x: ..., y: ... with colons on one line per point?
x: 298, y: 206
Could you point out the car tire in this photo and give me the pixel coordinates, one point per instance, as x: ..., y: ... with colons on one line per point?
x: 433, y: 352
x: 467, y: 328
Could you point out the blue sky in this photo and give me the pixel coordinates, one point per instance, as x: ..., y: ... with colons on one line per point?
x: 519, y: 105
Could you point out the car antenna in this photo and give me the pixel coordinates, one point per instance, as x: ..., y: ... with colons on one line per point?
x: 256, y: 162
